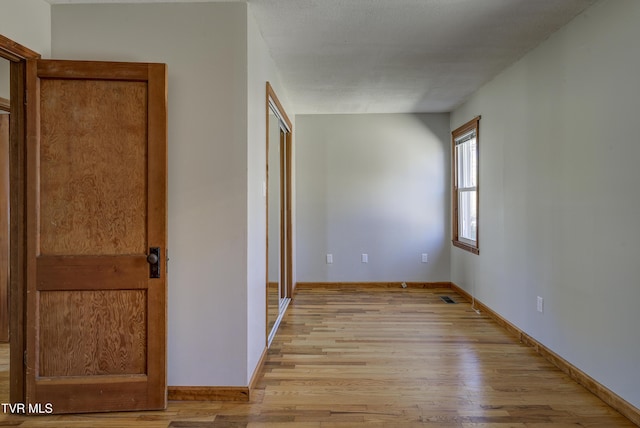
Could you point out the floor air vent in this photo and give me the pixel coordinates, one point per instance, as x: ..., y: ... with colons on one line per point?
x: 447, y: 299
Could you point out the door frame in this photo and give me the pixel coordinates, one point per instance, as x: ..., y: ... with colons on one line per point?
x: 17, y: 56
x: 5, y: 117
x: 286, y: 223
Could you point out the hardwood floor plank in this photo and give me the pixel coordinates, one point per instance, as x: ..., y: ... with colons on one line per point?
x: 367, y: 356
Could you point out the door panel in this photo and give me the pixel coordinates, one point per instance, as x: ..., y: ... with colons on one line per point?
x: 96, y: 180
x: 106, y: 329
x: 94, y: 200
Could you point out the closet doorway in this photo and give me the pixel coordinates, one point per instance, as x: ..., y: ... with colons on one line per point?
x: 279, y: 246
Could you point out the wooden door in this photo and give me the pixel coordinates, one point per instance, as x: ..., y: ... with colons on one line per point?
x: 4, y: 225
x: 96, y: 204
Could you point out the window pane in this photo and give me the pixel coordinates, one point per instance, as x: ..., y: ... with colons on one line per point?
x: 465, y: 143
x: 466, y: 154
x: 467, y: 215
x: 473, y: 163
x: 460, y: 166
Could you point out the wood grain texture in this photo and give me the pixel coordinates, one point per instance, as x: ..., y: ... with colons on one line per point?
x: 208, y: 393
x: 273, y: 304
x: 18, y: 226
x: 4, y: 228
x: 157, y: 233
x: 105, y: 330
x: 5, y: 104
x: 115, y: 392
x: 93, y: 201
x: 126, y: 71
x: 257, y: 373
x: 91, y: 272
x: 381, y: 357
x: 15, y: 52
x: 31, y: 237
x: 96, y: 200
x: 602, y: 392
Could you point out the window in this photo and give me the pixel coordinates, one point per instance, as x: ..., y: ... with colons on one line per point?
x: 465, y: 186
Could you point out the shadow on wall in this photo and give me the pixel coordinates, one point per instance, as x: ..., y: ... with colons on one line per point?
x: 375, y: 184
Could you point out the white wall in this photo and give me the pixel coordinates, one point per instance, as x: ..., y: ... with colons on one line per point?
x: 205, y: 47
x: 261, y: 69
x: 375, y: 184
x: 27, y: 22
x: 559, y: 203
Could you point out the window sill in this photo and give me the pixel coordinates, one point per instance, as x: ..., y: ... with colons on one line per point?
x: 466, y: 247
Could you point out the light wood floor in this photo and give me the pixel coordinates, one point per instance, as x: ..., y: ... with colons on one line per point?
x: 382, y: 357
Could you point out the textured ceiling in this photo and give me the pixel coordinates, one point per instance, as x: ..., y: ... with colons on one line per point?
x: 389, y: 56
x: 375, y: 56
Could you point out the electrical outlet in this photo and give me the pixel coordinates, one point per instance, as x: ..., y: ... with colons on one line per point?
x: 365, y: 258
x: 540, y: 304
x: 425, y: 257
x: 329, y: 259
